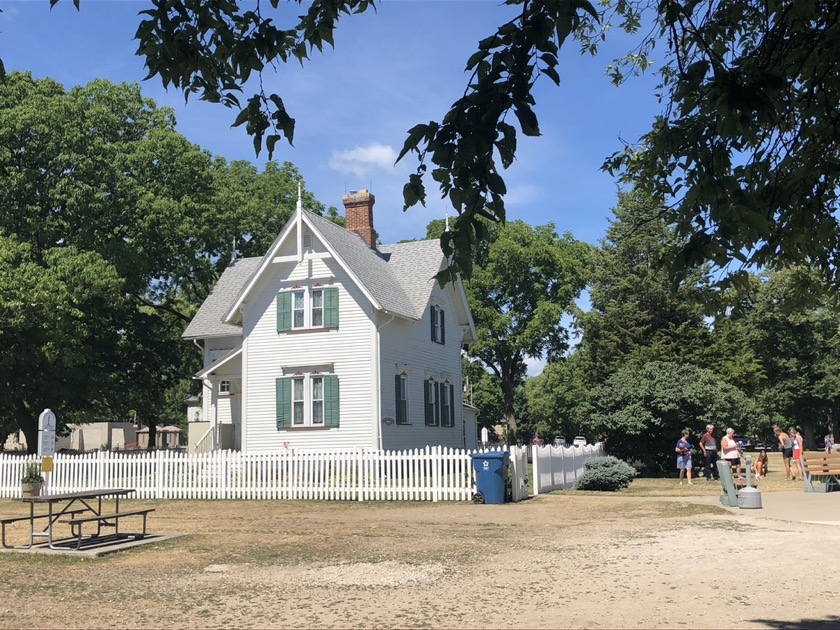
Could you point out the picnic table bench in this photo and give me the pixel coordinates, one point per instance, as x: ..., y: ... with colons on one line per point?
x: 105, y: 520
x: 76, y: 509
x: 823, y: 468
x: 9, y: 520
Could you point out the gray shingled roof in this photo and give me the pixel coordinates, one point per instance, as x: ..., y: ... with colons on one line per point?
x: 372, y: 270
x: 208, y: 320
x: 415, y: 264
x: 400, y: 278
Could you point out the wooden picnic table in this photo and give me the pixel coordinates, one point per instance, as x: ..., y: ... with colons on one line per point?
x: 75, y: 509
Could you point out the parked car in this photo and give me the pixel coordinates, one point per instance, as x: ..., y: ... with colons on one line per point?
x: 579, y: 441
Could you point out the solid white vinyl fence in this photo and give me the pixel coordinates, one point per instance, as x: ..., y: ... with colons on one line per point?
x: 557, y: 467
x: 430, y: 474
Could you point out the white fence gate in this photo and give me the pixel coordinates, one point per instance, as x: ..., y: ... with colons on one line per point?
x: 430, y: 474
x: 557, y: 467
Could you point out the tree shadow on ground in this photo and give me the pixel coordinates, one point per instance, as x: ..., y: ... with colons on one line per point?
x: 831, y: 621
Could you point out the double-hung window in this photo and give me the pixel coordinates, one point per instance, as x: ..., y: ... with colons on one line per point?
x: 307, y: 400
x: 439, y: 399
x: 307, y: 308
x: 436, y: 316
x: 401, y: 397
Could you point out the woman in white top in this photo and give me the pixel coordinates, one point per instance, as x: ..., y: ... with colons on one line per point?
x: 730, y: 452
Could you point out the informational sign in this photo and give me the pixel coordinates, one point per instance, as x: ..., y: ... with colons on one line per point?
x: 46, y: 464
x: 46, y: 433
x: 46, y: 421
x: 46, y: 443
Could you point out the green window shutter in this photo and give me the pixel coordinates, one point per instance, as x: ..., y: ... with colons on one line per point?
x: 284, y: 403
x: 442, y: 326
x: 429, y: 405
x: 284, y: 311
x: 331, y: 307
x: 331, y: 414
x: 432, y: 319
x: 398, y: 399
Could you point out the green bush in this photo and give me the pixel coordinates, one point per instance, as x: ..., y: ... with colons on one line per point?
x: 605, y: 474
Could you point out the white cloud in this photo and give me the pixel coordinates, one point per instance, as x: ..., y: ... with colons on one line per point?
x: 363, y: 160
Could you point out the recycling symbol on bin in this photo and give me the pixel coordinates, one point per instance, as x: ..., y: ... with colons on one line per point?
x: 485, y: 464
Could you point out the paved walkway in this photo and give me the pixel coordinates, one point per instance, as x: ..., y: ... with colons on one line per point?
x: 796, y: 507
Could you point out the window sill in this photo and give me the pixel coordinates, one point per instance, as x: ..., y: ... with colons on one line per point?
x: 303, y: 331
x: 324, y: 428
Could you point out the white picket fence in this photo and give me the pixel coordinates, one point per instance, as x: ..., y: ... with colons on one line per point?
x: 430, y: 474
x: 557, y: 467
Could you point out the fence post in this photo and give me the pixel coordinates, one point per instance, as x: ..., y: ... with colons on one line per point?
x: 160, y: 480
x: 535, y: 463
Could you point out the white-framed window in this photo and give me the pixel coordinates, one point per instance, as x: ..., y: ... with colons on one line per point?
x: 317, y: 416
x: 401, y: 397
x: 439, y: 402
x: 307, y: 399
x: 431, y: 400
x: 438, y: 321
x: 299, y: 309
x: 302, y: 308
x: 224, y: 388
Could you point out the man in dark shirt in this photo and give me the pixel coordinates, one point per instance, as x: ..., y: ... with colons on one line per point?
x: 708, y: 444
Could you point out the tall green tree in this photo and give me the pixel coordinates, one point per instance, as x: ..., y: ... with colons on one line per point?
x: 640, y: 410
x: 746, y: 144
x: 636, y: 313
x: 553, y: 398
x: 518, y: 294
x: 795, y: 334
x: 114, y: 230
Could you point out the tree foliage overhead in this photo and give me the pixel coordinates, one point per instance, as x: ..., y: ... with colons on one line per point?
x: 745, y: 149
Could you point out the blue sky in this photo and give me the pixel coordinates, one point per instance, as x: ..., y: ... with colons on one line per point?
x: 390, y: 70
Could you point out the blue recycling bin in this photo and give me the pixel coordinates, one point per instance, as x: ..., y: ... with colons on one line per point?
x: 491, y: 471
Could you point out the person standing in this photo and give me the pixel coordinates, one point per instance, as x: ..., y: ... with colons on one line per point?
x: 730, y: 452
x: 708, y: 444
x: 786, y: 446
x: 828, y: 443
x: 798, y: 448
x: 684, y: 463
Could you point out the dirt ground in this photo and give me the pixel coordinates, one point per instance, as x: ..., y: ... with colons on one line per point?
x: 560, y: 560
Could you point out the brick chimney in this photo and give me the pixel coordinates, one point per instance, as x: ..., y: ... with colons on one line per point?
x: 358, y: 215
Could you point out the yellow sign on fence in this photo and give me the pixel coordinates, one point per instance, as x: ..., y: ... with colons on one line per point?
x: 46, y: 464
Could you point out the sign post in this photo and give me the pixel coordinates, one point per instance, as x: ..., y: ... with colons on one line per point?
x: 46, y: 441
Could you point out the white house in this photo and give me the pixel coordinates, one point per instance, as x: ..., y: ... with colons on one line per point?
x: 330, y: 342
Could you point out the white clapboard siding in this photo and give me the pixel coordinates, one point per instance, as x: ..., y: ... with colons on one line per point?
x: 348, y: 350
x: 408, y: 346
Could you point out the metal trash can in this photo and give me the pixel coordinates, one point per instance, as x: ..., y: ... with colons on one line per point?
x: 749, y: 498
x: 491, y: 472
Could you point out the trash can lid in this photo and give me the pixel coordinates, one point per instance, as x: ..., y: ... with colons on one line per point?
x: 490, y: 455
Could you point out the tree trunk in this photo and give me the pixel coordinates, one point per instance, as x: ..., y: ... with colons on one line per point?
x: 152, y: 435
x: 27, y: 424
x: 510, y: 412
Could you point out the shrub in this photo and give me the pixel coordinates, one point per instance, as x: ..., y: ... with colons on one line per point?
x: 606, y: 474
